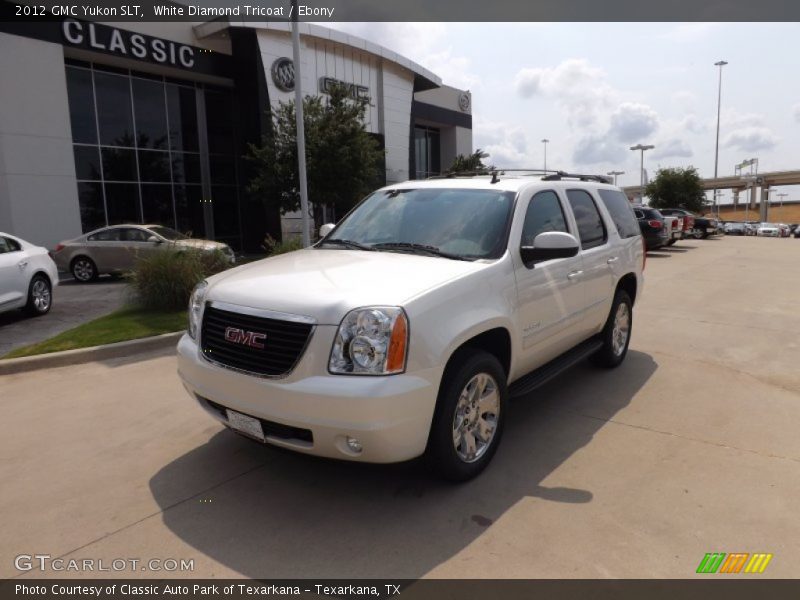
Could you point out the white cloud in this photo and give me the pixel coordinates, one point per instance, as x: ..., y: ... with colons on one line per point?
x: 672, y: 148
x: 692, y: 124
x: 751, y: 139
x: 598, y: 149
x: 733, y: 119
x: 578, y: 88
x: 632, y: 122
x: 506, y: 145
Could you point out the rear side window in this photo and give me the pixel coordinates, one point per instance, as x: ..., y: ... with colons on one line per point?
x: 544, y: 214
x: 621, y: 212
x: 129, y: 234
x: 8, y: 245
x: 591, y: 229
x: 107, y: 235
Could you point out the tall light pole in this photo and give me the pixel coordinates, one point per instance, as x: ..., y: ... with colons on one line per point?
x: 301, y: 133
x: 615, y: 173
x: 782, y: 195
x: 719, y: 64
x: 545, y: 141
x: 642, y: 148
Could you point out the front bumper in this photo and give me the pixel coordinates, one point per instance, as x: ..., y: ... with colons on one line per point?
x: 389, y: 415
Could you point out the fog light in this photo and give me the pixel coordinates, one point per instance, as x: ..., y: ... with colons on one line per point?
x: 354, y: 445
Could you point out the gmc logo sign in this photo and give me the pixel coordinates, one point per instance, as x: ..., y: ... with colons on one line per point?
x: 245, y: 338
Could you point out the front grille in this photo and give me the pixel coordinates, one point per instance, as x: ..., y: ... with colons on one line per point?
x: 283, y: 345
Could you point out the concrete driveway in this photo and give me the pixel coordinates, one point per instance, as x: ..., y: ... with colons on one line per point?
x: 690, y: 447
x: 73, y: 303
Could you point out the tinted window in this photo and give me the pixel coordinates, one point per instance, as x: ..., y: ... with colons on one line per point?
x: 107, y: 235
x: 621, y: 212
x: 114, y: 109
x: 591, y: 230
x: 81, y: 106
x: 8, y: 245
x: 639, y: 214
x: 544, y: 214
x: 151, y: 114
x: 129, y: 234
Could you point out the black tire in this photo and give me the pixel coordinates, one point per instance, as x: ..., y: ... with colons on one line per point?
x: 83, y: 269
x: 613, y: 353
x: 40, y: 296
x: 465, y: 371
x: 671, y: 242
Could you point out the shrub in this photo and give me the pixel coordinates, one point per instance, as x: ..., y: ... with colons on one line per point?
x: 165, y: 279
x: 274, y: 247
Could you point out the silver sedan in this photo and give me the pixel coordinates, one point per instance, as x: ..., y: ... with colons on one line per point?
x: 116, y: 249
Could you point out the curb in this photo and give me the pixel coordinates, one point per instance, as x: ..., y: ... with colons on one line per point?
x: 10, y: 366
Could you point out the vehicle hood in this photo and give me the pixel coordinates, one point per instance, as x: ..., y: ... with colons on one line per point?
x: 199, y: 244
x: 327, y: 283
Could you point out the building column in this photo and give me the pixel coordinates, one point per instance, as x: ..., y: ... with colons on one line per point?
x: 764, y: 212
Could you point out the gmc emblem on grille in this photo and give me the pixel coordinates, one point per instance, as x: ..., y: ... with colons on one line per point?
x: 245, y: 338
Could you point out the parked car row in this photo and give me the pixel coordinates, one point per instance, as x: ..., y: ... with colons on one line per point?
x: 665, y: 226
x: 761, y: 229
x: 28, y: 273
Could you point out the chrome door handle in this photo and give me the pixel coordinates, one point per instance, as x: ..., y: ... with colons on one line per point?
x: 22, y: 264
x: 574, y: 275
x: 612, y: 260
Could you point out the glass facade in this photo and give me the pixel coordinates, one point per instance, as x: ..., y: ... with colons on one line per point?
x: 427, y: 156
x: 150, y: 149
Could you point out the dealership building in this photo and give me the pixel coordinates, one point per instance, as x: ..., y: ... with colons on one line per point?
x: 104, y: 123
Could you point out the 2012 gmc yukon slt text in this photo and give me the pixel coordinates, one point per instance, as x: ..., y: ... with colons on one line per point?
x: 407, y: 327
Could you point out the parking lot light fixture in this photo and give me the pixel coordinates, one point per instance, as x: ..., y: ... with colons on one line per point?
x: 545, y: 141
x: 642, y: 148
x: 615, y: 173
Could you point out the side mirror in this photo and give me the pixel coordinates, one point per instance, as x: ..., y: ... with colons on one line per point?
x: 154, y: 239
x: 550, y: 245
x: 326, y: 229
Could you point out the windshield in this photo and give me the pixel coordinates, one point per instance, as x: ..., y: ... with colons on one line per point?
x: 168, y: 233
x: 464, y: 223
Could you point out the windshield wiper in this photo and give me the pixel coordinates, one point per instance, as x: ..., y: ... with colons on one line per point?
x: 408, y: 246
x: 347, y: 244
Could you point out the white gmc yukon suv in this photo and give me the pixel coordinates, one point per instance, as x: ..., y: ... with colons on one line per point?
x: 406, y: 329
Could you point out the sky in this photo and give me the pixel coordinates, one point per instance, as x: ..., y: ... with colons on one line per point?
x: 595, y: 89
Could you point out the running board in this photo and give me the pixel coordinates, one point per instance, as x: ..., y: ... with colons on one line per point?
x: 526, y: 384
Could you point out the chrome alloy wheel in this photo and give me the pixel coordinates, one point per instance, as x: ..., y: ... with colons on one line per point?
x: 475, y: 418
x: 40, y: 293
x: 622, y: 328
x: 83, y: 270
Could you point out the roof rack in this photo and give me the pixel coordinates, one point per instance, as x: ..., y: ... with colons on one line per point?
x: 559, y: 175
x: 494, y: 172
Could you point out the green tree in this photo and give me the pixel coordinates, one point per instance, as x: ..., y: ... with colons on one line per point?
x: 676, y: 188
x: 343, y: 161
x: 469, y: 163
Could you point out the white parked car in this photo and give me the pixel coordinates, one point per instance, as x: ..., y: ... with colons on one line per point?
x: 27, y: 276
x: 768, y: 230
x: 405, y: 330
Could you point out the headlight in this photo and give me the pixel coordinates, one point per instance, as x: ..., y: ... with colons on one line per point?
x: 196, y: 308
x: 371, y: 341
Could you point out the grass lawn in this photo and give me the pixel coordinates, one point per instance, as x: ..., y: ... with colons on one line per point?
x: 122, y: 325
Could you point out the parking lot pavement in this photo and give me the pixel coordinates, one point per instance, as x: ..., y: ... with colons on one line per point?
x: 73, y: 303
x: 690, y: 447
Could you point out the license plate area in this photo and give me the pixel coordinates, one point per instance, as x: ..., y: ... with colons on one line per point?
x: 244, y: 424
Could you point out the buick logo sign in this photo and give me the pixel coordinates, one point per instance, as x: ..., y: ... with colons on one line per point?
x: 464, y: 101
x: 283, y: 74
x: 245, y: 338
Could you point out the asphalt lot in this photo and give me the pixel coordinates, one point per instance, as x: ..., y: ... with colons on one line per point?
x: 73, y: 303
x: 690, y: 447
